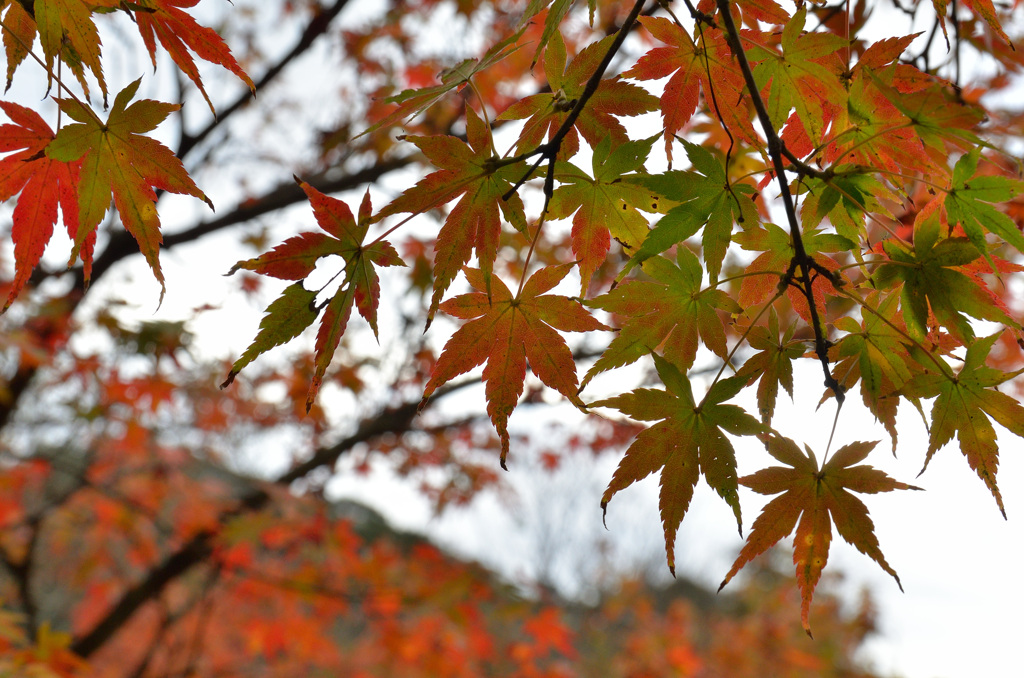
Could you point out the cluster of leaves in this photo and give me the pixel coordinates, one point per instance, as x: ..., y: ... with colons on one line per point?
x: 897, y: 240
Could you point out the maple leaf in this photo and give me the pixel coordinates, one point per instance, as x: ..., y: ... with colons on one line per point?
x: 19, y: 31
x: 473, y: 172
x: 708, y: 67
x: 894, y: 115
x: 66, y: 29
x: 874, y: 351
x: 963, y: 405
x: 776, y: 252
x: 772, y: 364
x: 815, y: 498
x: 968, y: 204
x: 548, y: 110
x: 43, y: 183
x: 507, y: 332
x: 846, y: 199
x: 606, y: 205
x: 286, y: 317
x: 558, y: 10
x: 800, y: 78
x: 707, y: 200
x: 983, y: 8
x: 871, y: 130
x: 667, y: 313
x: 767, y: 11
x: 178, y: 32
x: 688, y: 441
x: 297, y: 257
x: 935, y: 281
x: 117, y: 159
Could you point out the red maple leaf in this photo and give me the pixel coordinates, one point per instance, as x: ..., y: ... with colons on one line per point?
x: 506, y: 332
x: 179, y: 32
x: 44, y: 184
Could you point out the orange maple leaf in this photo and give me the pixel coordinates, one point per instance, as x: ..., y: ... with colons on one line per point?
x: 817, y: 498
x: 473, y: 172
x: 694, y: 68
x: 506, y: 332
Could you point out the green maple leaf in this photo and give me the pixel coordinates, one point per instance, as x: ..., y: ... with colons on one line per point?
x: 846, y: 199
x: 968, y: 204
x: 296, y: 258
x: 816, y: 498
x: 772, y: 364
x: 934, y: 281
x: 875, y: 353
x: 605, y: 206
x: 506, y: 332
x: 286, y: 317
x: 118, y: 160
x: 689, y: 440
x: 964, y: 405
x: 707, y: 200
x: 666, y: 314
x: 797, y: 79
x: 547, y: 111
x: 474, y: 173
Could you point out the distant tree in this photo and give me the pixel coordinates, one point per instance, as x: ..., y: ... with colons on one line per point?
x: 886, y: 162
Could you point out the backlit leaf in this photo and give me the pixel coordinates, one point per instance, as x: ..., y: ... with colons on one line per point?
x: 687, y: 442
x: 118, y: 160
x: 178, y: 32
x: 964, y: 405
x: 811, y: 501
x: 43, y: 184
x: 506, y: 332
x: 474, y: 173
x: 667, y: 314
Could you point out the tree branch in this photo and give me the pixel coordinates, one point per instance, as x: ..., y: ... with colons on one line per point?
x: 317, y: 26
x: 801, y: 260
x: 393, y: 420
x: 550, y: 149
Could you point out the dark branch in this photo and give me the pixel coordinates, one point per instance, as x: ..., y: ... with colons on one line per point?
x: 317, y: 26
x: 393, y: 420
x: 801, y: 260
x: 550, y: 149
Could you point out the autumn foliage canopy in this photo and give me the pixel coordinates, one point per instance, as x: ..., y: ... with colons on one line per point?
x: 691, y: 197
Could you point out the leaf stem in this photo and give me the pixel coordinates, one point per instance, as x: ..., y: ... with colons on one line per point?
x: 743, y: 337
